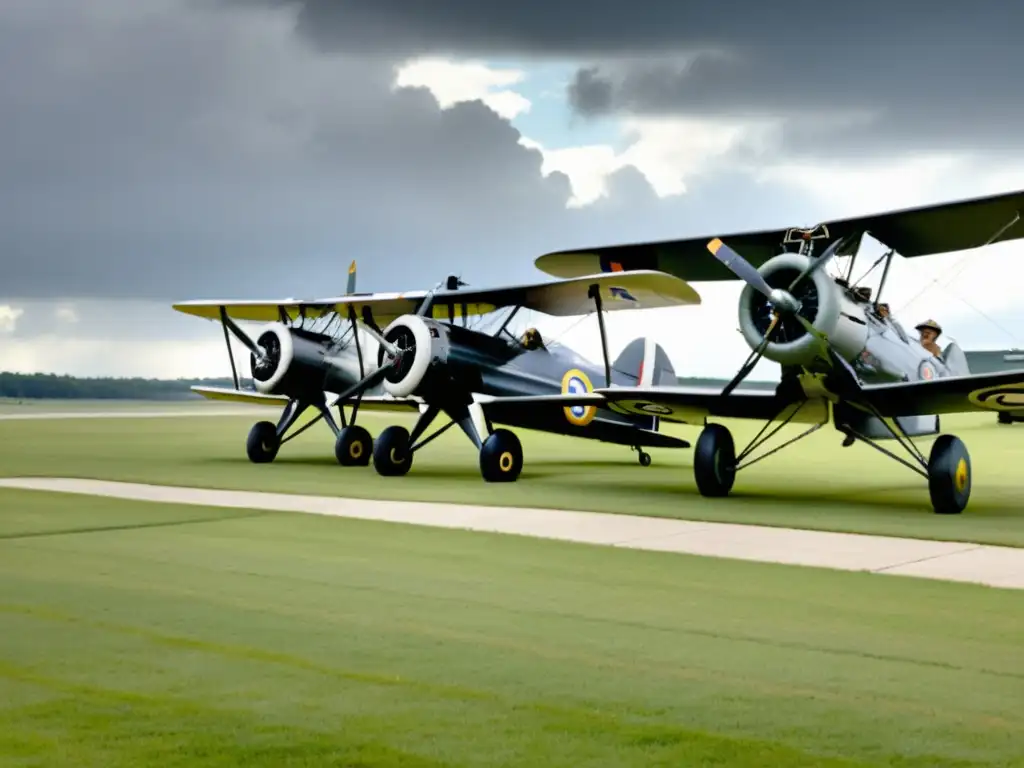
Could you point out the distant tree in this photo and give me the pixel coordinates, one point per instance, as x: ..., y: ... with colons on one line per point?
x: 50, y: 386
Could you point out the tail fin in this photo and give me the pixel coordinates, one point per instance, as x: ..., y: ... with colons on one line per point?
x: 646, y: 361
x: 351, y: 278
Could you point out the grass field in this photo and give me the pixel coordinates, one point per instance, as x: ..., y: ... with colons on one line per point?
x: 813, y: 484
x: 153, y: 634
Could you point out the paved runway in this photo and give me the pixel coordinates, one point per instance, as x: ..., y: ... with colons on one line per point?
x: 950, y: 561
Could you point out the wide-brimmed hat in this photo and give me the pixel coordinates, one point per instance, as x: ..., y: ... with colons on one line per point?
x: 929, y: 324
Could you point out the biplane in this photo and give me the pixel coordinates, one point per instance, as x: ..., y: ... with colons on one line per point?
x: 319, y: 353
x: 842, y: 356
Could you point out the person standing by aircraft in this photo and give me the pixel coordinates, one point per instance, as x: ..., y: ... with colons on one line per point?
x: 930, y: 331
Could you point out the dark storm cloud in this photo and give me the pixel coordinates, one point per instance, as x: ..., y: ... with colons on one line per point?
x: 172, y: 150
x: 164, y: 153
x: 889, y: 77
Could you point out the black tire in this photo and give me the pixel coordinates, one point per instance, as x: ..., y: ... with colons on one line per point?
x: 645, y: 459
x: 1005, y: 418
x: 353, y: 447
x: 391, y: 455
x: 263, y: 443
x: 501, y: 457
x: 949, y: 475
x: 714, y: 461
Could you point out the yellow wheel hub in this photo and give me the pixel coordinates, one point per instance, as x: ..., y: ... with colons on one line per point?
x: 961, y: 474
x: 355, y: 450
x: 505, y: 461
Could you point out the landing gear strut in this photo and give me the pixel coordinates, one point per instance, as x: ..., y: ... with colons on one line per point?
x: 352, y: 444
x: 947, y: 468
x: 501, y: 453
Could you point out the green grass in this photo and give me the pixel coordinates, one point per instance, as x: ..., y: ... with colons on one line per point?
x: 152, y: 634
x: 813, y: 484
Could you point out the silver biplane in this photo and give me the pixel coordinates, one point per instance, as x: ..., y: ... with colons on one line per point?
x: 322, y: 353
x: 843, y: 357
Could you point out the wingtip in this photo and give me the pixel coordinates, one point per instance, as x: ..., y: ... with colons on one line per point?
x: 714, y: 245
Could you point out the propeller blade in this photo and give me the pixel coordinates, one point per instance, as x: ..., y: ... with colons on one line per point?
x: 755, y: 357
x: 739, y: 266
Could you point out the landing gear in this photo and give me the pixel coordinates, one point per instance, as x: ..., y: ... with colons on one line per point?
x: 641, y: 455
x: 392, y: 453
x: 949, y: 475
x: 714, y: 461
x: 501, y: 457
x: 947, y: 469
x: 353, y: 446
x: 263, y: 443
x: 501, y: 453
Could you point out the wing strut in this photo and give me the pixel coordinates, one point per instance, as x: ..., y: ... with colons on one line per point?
x: 227, y: 342
x: 595, y: 294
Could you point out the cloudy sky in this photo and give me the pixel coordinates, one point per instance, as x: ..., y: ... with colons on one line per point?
x: 175, y: 149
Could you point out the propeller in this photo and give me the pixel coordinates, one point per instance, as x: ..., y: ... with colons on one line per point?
x: 783, y: 302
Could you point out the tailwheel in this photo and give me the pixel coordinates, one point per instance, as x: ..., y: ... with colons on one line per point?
x: 263, y: 442
x: 714, y: 461
x: 949, y: 475
x: 391, y: 454
x: 501, y: 457
x: 353, y: 447
x: 644, y: 458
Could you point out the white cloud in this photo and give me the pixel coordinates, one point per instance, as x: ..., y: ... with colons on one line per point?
x: 453, y: 82
x: 66, y: 314
x: 9, y: 318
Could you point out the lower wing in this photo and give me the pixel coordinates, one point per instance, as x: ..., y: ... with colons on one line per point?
x: 368, y: 402
x: 955, y: 394
x: 692, y: 405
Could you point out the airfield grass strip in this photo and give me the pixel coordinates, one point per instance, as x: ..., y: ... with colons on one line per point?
x: 815, y: 484
x: 304, y: 640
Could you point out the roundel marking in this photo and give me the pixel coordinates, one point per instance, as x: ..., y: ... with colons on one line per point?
x: 575, y: 382
x: 927, y: 371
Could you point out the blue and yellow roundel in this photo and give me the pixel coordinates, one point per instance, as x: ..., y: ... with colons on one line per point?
x: 575, y: 382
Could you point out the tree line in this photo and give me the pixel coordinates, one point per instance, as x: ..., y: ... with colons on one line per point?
x: 50, y: 386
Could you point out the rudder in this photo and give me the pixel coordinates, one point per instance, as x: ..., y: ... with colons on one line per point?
x: 646, y: 362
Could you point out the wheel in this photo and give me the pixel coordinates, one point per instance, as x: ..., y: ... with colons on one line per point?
x: 353, y: 447
x: 645, y: 459
x: 263, y: 443
x: 501, y: 457
x: 714, y: 461
x: 949, y: 475
x: 1005, y: 418
x: 391, y: 452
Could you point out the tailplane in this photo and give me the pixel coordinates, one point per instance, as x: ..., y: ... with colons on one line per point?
x: 646, y: 362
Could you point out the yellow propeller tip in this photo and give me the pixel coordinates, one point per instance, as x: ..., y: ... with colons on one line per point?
x: 714, y: 245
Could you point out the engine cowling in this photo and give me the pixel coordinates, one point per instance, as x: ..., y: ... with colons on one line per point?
x: 292, y: 364
x: 424, y: 346
x: 823, y: 303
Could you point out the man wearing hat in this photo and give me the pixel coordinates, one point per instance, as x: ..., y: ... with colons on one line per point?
x: 930, y: 331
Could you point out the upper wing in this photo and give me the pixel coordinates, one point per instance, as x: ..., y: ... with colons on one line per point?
x: 954, y: 394
x: 642, y: 289
x: 691, y: 405
x: 910, y: 232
